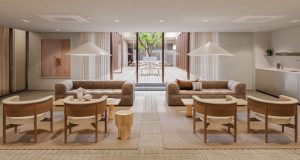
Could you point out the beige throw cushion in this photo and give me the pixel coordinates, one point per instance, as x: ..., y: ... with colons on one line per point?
x: 197, y: 86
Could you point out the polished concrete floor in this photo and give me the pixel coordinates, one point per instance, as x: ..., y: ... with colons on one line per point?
x: 150, y: 146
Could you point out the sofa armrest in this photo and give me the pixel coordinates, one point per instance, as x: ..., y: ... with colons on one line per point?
x: 238, y: 87
x: 63, y: 87
x: 172, y: 88
x: 128, y: 88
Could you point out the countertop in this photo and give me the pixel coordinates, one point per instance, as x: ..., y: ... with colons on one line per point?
x: 285, y: 69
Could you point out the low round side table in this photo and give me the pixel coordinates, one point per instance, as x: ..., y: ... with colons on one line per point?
x: 111, y: 103
x: 188, y: 107
x: 124, y: 120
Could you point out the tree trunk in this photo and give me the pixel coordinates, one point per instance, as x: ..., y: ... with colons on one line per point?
x: 148, y: 53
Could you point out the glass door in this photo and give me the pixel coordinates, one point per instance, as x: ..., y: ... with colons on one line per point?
x: 150, y: 60
x: 124, y: 50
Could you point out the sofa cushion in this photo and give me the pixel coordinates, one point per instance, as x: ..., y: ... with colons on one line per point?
x: 217, y: 120
x: 185, y: 84
x: 83, y: 120
x: 25, y: 120
x: 207, y: 91
x: 274, y: 119
x: 215, y: 84
x: 99, y: 91
x: 231, y: 85
x: 197, y: 86
x: 98, y: 84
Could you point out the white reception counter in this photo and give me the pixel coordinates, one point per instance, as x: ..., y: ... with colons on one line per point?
x: 278, y: 81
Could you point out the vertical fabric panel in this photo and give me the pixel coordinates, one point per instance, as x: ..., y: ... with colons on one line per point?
x: 117, y: 52
x: 96, y: 67
x: 182, y: 51
x: 17, y: 65
x: 19, y: 60
x: 4, y: 61
x: 204, y: 67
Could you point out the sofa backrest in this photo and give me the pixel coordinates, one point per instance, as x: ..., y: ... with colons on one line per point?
x: 98, y: 84
x: 214, y: 84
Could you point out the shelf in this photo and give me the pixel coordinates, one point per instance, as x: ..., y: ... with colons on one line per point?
x: 287, y: 54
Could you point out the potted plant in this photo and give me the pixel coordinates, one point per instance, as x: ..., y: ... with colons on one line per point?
x: 269, y: 52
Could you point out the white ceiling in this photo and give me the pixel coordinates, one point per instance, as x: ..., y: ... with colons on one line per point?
x: 144, y: 15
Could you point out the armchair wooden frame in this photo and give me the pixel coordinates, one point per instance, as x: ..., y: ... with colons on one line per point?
x: 285, y: 107
x: 85, y: 109
x: 210, y: 107
x: 14, y: 108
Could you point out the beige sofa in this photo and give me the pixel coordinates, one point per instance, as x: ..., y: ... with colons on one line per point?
x: 211, y: 89
x: 113, y: 89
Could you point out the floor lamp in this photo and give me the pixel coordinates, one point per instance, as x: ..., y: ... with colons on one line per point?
x: 210, y: 49
x: 87, y: 50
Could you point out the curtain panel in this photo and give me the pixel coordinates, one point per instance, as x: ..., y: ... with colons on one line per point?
x: 96, y: 67
x: 204, y: 67
x: 4, y: 61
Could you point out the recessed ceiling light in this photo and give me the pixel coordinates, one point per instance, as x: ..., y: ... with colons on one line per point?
x: 205, y: 21
x: 161, y: 21
x: 294, y: 21
x: 25, y: 20
x: 58, y: 30
x: 256, y: 30
x: 117, y: 21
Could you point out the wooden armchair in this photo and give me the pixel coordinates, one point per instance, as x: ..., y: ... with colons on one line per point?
x: 278, y: 112
x: 217, y: 111
x: 86, y: 112
x: 16, y: 113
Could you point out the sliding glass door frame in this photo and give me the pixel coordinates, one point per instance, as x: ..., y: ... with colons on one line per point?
x: 163, y: 57
x: 188, y: 57
x: 137, y: 58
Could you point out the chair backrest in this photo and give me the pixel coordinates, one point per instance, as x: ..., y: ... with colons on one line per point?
x: 86, y: 108
x: 218, y: 108
x: 13, y: 107
x: 286, y: 106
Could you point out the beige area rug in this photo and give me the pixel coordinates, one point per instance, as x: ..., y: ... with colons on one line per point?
x: 177, y: 133
x: 82, y: 137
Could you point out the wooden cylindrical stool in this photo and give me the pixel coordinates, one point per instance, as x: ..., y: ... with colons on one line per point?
x: 124, y: 119
x: 111, y: 112
x: 189, y: 110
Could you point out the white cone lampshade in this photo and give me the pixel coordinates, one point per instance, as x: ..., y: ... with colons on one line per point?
x: 88, y: 49
x: 210, y: 49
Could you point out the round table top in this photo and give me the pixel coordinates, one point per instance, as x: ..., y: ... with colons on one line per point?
x: 123, y: 113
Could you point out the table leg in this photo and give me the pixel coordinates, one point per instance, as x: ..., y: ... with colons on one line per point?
x: 189, y: 110
x: 111, y: 109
